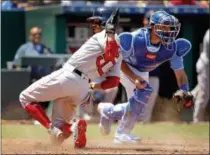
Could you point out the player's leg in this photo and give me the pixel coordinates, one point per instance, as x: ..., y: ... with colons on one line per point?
x: 109, y: 112
x: 110, y: 95
x: 51, y: 87
x: 154, y: 82
x: 45, y: 89
x: 62, y: 118
x: 134, y: 108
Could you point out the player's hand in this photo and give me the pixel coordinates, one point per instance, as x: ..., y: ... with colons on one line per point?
x: 112, y: 23
x: 140, y: 83
x: 184, y: 97
x: 95, y: 86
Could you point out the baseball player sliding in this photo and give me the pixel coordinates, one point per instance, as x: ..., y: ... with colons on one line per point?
x: 69, y: 86
x: 97, y: 21
x: 143, y: 50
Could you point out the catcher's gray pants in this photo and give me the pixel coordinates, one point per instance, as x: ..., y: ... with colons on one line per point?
x: 154, y: 82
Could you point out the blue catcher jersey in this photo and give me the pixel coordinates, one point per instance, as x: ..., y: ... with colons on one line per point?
x: 139, y: 53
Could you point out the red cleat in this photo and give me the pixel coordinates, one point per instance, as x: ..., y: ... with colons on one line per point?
x: 79, y: 132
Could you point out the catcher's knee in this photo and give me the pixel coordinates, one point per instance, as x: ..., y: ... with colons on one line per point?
x: 118, y: 111
x: 136, y: 104
x: 143, y: 95
x: 104, y: 107
x: 114, y: 112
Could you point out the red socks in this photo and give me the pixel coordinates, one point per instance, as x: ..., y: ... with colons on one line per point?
x: 38, y: 113
x: 66, y: 129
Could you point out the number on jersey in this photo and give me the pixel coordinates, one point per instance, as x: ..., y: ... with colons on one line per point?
x: 103, y: 65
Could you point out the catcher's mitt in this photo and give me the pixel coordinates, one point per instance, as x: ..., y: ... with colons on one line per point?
x: 112, y: 23
x: 184, y: 99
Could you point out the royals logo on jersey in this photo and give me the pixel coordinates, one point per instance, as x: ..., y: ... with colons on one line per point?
x: 151, y: 56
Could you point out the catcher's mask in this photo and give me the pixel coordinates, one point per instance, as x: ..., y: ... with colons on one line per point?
x: 166, y: 27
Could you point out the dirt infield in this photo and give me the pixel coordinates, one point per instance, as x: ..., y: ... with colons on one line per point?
x: 146, y: 146
x: 23, y: 138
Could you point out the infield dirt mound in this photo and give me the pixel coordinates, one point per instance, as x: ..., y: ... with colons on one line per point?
x: 146, y: 146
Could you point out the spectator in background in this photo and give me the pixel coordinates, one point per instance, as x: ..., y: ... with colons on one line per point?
x: 201, y: 91
x: 9, y: 4
x: 33, y: 48
x: 204, y: 3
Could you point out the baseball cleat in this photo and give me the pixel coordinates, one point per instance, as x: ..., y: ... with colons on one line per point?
x: 56, y: 135
x: 136, y: 138
x: 79, y: 132
x: 105, y: 123
x: 123, y: 139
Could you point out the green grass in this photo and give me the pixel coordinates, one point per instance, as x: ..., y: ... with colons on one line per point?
x: 154, y: 131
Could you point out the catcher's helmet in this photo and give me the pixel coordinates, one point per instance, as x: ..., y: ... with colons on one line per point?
x: 102, y: 14
x: 166, y: 26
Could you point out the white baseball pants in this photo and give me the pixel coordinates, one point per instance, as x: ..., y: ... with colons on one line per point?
x: 154, y: 82
x: 66, y: 88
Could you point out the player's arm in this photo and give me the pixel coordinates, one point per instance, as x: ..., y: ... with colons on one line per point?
x: 183, y: 47
x: 139, y: 82
x: 182, y: 79
x: 126, y: 49
x: 177, y: 63
x: 111, y: 50
x: 112, y: 77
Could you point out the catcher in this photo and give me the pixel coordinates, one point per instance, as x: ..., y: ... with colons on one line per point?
x: 143, y: 50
